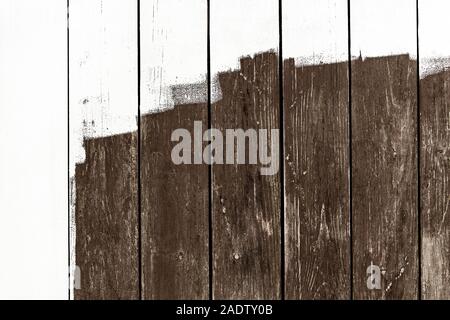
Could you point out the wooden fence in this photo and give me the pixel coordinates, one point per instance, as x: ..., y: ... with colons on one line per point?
x: 363, y: 181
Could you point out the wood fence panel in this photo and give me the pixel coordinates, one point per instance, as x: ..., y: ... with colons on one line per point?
x: 175, y: 200
x: 384, y: 150
x: 174, y: 210
x: 316, y: 109
x: 350, y: 164
x: 103, y: 112
x: 435, y: 151
x: 245, y: 203
x: 33, y: 140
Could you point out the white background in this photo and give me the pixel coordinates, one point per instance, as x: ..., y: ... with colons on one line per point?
x: 33, y: 150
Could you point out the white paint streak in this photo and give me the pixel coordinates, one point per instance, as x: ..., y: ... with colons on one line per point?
x: 33, y: 140
x: 383, y: 27
x: 173, y: 53
x: 433, y: 264
x: 315, y: 32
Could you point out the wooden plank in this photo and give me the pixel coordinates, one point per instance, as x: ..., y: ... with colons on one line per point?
x: 175, y: 207
x: 435, y: 138
x: 384, y: 150
x: 33, y: 140
x: 103, y: 113
x: 245, y: 203
x: 174, y: 210
x: 316, y: 93
x: 106, y: 219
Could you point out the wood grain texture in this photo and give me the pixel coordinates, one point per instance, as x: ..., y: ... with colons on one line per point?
x: 106, y: 219
x: 175, y: 198
x: 435, y: 184
x: 317, y: 181
x: 246, y: 204
x: 175, y: 210
x: 103, y: 82
x: 384, y: 175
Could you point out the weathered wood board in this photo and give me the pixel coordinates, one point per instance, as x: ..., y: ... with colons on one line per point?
x: 316, y: 94
x: 175, y: 235
x: 434, y: 149
x: 353, y: 174
x: 384, y: 150
x: 103, y: 115
x: 245, y: 204
x: 174, y: 197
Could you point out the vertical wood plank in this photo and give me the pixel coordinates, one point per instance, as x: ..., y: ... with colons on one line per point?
x: 33, y: 140
x: 316, y: 92
x: 175, y: 207
x: 245, y: 204
x: 106, y: 219
x: 384, y: 150
x: 435, y: 152
x: 103, y: 113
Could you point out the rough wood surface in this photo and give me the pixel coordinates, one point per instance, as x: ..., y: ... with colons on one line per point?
x: 106, y: 218
x: 103, y: 104
x: 175, y: 209
x: 317, y: 181
x: 246, y: 204
x: 435, y: 185
x: 384, y: 175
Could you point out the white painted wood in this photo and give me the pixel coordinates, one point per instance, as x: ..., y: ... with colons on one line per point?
x: 33, y: 143
x: 240, y: 28
x: 103, y: 70
x: 434, y: 48
x: 315, y: 31
x: 383, y: 27
x: 103, y: 76
x: 244, y: 29
x: 173, y: 51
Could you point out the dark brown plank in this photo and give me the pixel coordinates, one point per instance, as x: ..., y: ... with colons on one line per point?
x: 246, y: 204
x: 384, y: 176
x: 106, y: 217
x: 317, y: 181
x: 435, y: 184
x: 175, y: 231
